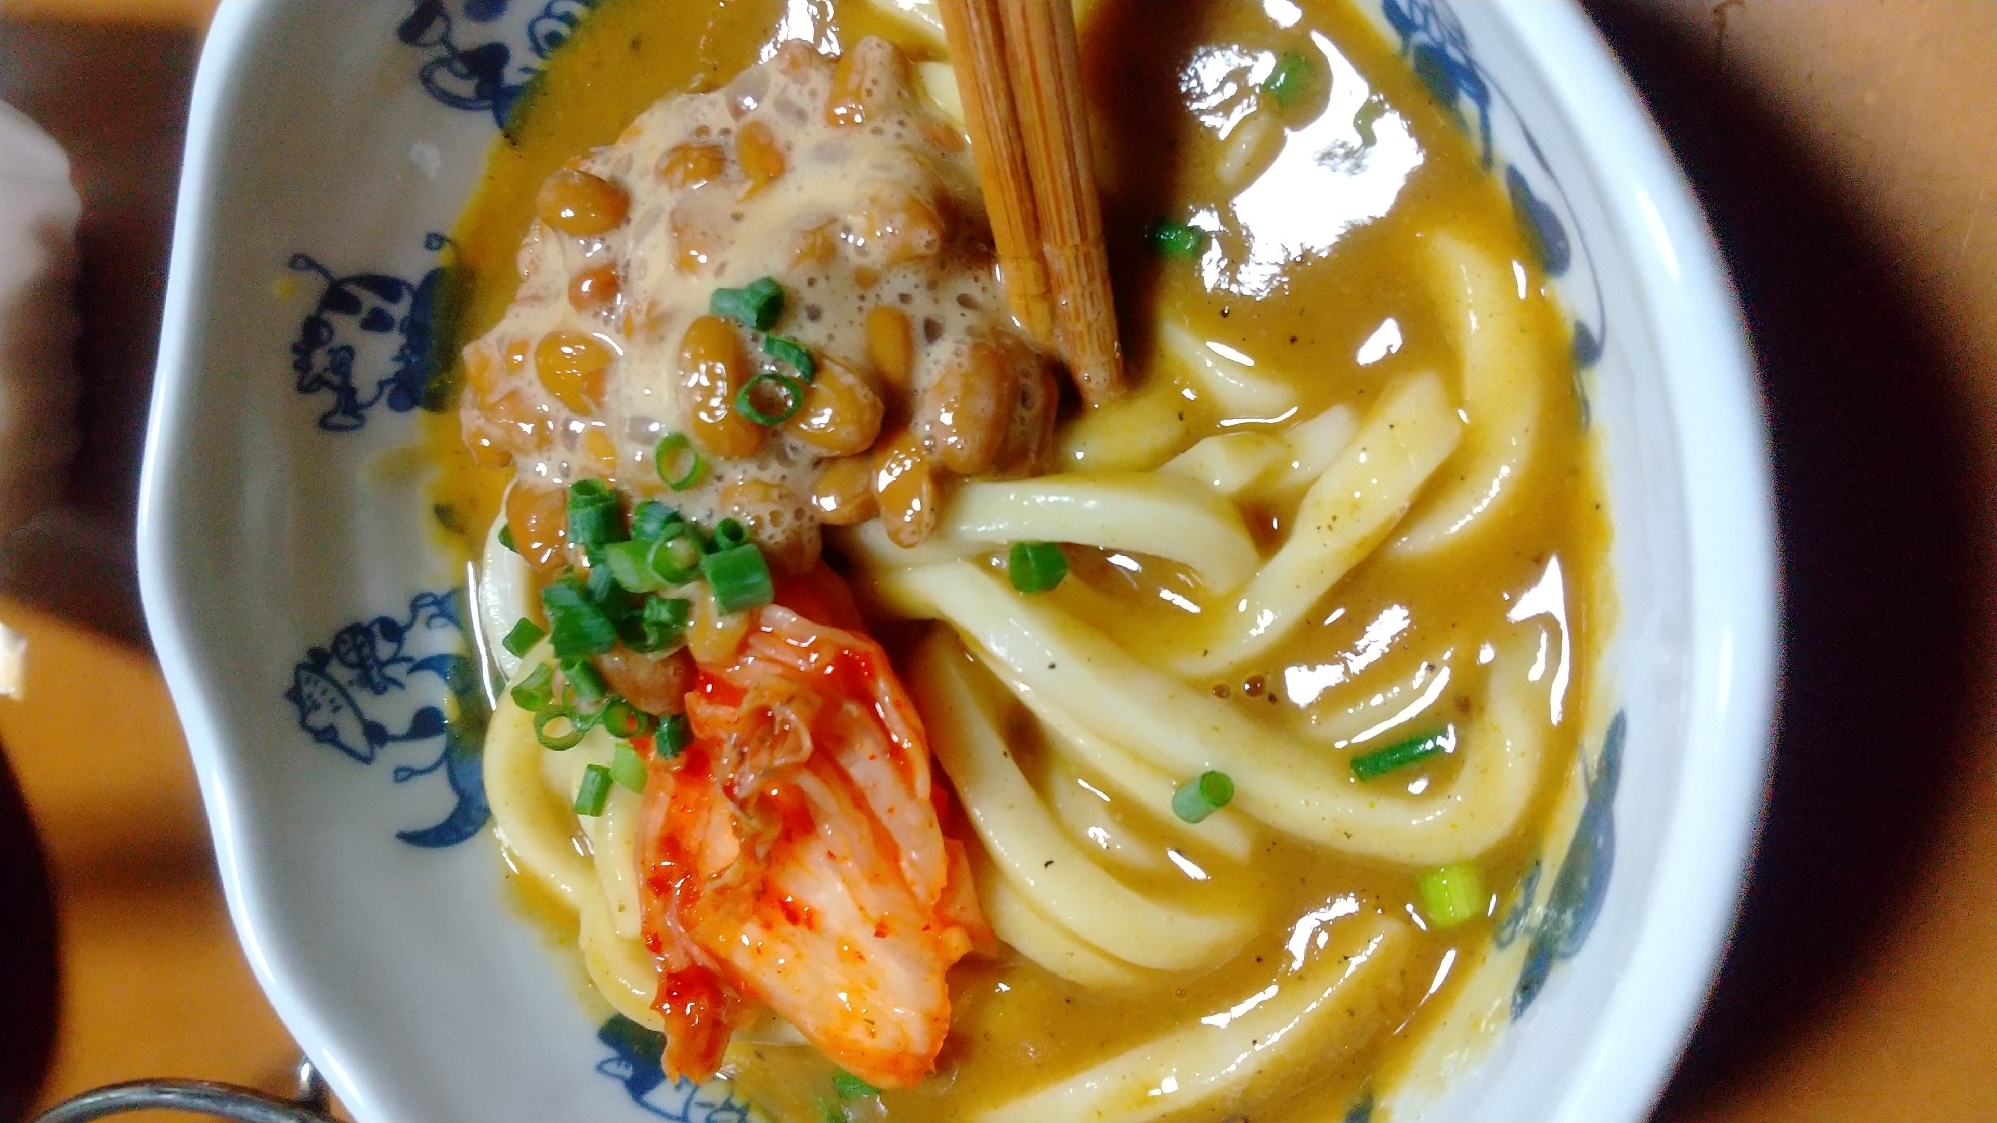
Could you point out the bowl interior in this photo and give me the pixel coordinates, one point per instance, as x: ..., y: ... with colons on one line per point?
x: 310, y: 635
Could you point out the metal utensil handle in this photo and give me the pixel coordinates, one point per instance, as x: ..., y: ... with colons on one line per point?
x: 199, y: 1097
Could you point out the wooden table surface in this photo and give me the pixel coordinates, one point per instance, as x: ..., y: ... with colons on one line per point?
x: 1847, y: 152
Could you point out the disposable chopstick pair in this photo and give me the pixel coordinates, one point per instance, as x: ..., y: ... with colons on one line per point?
x: 1019, y: 74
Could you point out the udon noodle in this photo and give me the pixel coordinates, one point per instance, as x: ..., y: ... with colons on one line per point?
x: 1342, y: 547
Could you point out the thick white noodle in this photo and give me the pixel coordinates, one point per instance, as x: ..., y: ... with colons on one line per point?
x: 923, y: 18
x: 531, y: 792
x: 1283, y: 465
x: 1229, y: 463
x: 1031, y: 850
x: 535, y: 827
x: 939, y: 82
x: 1226, y: 832
x: 1313, y: 447
x: 1063, y: 665
x: 1342, y: 996
x: 612, y: 835
x: 1501, y: 391
x: 1239, y: 389
x: 1089, y: 820
x: 1342, y: 517
x: 624, y: 973
x: 1031, y: 934
x: 1145, y: 513
x: 505, y: 587
x: 1136, y: 433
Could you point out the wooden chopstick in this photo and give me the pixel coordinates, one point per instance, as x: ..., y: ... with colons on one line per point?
x: 1030, y: 51
x: 972, y: 30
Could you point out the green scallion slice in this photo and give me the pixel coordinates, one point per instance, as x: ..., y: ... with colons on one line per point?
x: 534, y: 692
x: 586, y: 679
x: 1198, y: 798
x: 628, y: 768
x: 1036, y: 567
x: 1176, y: 239
x: 758, y: 305
x: 1373, y: 765
x: 730, y: 533
x: 594, y: 791
x: 506, y: 538
x: 739, y: 577
x: 671, y: 612
x: 585, y: 714
x: 852, y: 1087
x: 523, y: 637
x: 675, y: 559
x: 595, y: 516
x: 624, y: 721
x: 650, y: 520
x: 755, y: 399
x: 558, y: 730
x: 680, y: 465
x: 630, y: 565
x: 1289, y: 80
x: 576, y: 624
x: 663, y: 623
x: 674, y: 735
x: 1452, y: 894
x: 788, y: 350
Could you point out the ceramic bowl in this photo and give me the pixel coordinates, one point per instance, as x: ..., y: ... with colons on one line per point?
x: 310, y: 633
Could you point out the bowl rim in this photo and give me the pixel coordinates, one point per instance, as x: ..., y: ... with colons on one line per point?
x: 1731, y: 552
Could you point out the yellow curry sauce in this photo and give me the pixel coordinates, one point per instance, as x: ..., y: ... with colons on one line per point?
x: 1309, y: 274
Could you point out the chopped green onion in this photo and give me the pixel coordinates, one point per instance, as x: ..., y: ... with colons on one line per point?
x: 676, y: 557
x: 557, y: 741
x: 628, y: 768
x: 577, y: 624
x: 587, y: 680
x: 1452, y: 894
x: 730, y: 533
x: 851, y: 1086
x: 534, y: 692
x: 584, y: 713
x: 624, y: 721
x: 594, y: 791
x: 756, y: 306
x: 595, y: 516
x: 674, y: 735
x: 672, y: 612
x: 1176, y: 239
x: 667, y: 458
x: 604, y: 589
x: 651, y: 519
x: 1036, y: 567
x: 792, y: 352
x: 747, y: 405
x: 739, y: 577
x: 1288, y: 81
x: 629, y: 564
x: 1198, y: 798
x: 1370, y: 766
x: 662, y: 624
x: 523, y: 637
x: 506, y: 538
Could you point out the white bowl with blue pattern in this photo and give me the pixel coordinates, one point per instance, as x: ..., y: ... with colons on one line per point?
x: 310, y: 634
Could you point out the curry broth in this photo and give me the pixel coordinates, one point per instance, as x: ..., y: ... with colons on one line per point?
x: 1308, y: 312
